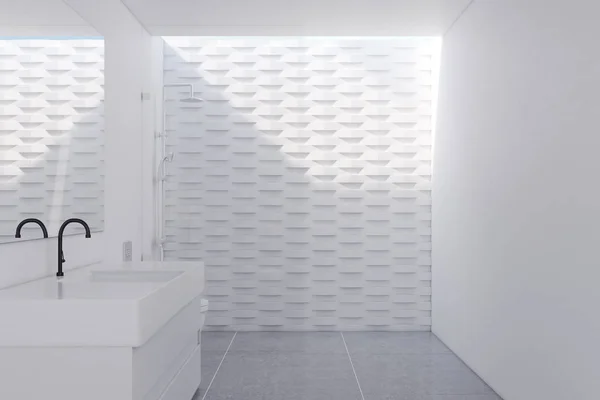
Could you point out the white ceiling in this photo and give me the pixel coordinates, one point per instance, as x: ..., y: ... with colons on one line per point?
x: 237, y: 17
x: 41, y: 18
x: 301, y: 17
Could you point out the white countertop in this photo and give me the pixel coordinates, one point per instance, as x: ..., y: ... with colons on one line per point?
x: 76, y: 284
x: 94, y: 306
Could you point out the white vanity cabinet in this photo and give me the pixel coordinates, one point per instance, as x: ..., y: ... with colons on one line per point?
x: 166, y: 366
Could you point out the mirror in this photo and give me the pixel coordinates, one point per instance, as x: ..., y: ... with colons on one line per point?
x: 51, y: 121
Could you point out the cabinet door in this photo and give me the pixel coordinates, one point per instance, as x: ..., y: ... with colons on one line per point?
x: 187, y: 380
x: 157, y: 362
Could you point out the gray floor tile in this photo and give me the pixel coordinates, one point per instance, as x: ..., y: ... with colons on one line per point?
x: 394, y: 343
x: 284, y: 342
x: 466, y: 397
x: 416, y: 377
x: 214, y: 345
x: 425, y: 396
x: 284, y: 376
x: 210, y: 363
x: 314, y: 366
x: 216, y: 341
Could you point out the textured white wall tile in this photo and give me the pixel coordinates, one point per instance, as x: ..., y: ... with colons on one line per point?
x: 304, y: 180
x: 51, y: 133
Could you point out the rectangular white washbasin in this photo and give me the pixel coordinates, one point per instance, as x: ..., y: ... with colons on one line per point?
x: 134, y: 276
x: 101, y: 305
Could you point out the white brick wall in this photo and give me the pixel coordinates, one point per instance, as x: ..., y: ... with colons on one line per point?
x: 51, y: 133
x: 304, y: 180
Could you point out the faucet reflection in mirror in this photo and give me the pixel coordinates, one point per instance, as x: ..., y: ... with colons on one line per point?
x: 31, y: 220
x: 61, y: 257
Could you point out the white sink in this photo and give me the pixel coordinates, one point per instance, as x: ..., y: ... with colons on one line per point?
x: 134, y: 276
x: 106, y: 305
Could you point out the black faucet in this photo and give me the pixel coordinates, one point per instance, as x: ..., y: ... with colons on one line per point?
x: 34, y: 220
x: 61, y: 257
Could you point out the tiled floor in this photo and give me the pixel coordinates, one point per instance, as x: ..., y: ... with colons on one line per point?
x: 334, y: 366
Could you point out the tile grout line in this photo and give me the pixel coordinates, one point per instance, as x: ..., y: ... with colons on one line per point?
x: 352, y: 365
x: 219, y: 367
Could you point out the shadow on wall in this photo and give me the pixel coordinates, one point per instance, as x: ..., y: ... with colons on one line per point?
x: 51, y: 133
x: 303, y: 181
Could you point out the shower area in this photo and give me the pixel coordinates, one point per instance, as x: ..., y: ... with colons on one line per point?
x: 299, y: 171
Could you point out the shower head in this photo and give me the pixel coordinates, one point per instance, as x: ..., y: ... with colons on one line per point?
x: 191, y: 96
x: 192, y: 99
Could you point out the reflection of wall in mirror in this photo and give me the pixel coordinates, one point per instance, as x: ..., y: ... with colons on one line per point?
x: 51, y: 133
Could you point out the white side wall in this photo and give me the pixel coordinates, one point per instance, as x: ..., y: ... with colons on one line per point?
x: 517, y: 200
x: 128, y: 66
x: 129, y: 125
